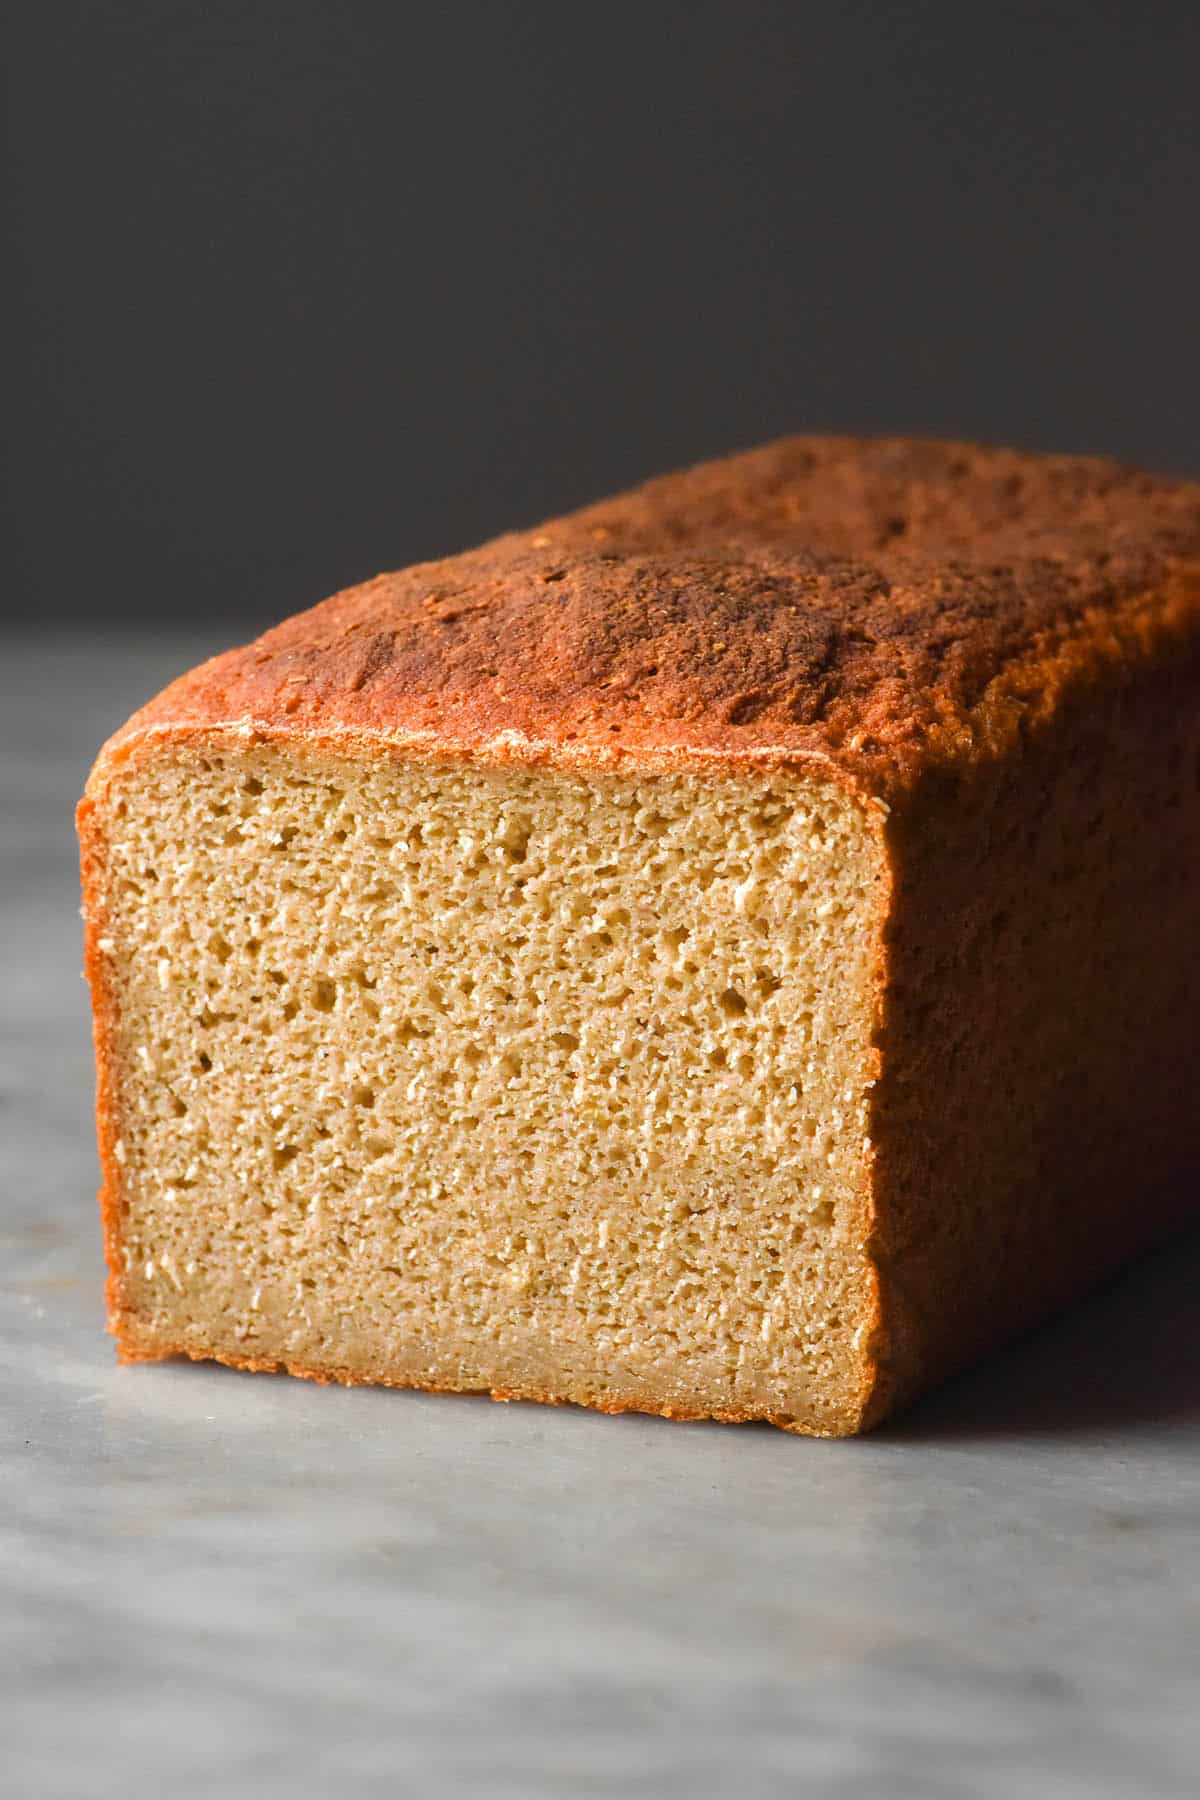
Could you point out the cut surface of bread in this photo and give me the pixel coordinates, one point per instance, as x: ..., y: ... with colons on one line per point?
x: 727, y: 953
x: 493, y: 1078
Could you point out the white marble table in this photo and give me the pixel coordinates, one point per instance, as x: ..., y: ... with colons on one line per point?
x: 219, y: 1584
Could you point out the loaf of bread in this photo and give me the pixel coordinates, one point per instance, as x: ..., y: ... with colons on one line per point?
x: 730, y: 952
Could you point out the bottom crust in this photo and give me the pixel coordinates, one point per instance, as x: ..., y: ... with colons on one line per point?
x: 612, y: 1401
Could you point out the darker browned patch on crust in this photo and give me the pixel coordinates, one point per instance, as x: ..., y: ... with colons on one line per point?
x: 377, y: 652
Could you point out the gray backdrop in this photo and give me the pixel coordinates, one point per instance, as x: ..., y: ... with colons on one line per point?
x: 302, y: 290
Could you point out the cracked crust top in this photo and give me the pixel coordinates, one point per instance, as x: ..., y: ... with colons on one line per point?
x: 879, y: 604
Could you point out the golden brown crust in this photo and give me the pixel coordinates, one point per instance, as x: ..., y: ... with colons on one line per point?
x: 97, y: 971
x: 882, y: 605
x: 1034, y: 1121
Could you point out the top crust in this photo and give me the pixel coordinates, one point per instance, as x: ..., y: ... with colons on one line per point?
x: 881, y: 606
